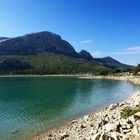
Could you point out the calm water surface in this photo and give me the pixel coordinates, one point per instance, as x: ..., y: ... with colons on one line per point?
x: 31, y: 104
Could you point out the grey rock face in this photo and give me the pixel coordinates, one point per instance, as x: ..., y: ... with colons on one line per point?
x: 36, y: 43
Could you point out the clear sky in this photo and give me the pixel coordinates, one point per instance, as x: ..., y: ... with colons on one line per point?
x: 103, y: 27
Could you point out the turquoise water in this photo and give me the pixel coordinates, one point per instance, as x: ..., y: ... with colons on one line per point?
x: 31, y: 104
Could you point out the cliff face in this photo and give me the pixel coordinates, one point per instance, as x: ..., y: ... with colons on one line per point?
x: 36, y: 43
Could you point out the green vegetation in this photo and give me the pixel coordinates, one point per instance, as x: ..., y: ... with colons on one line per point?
x: 129, y: 111
x: 50, y: 63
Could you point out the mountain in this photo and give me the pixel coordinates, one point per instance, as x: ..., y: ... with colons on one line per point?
x: 86, y: 55
x: 112, y: 63
x: 47, y: 53
x: 34, y: 43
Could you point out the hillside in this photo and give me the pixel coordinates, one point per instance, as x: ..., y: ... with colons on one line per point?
x: 48, y: 63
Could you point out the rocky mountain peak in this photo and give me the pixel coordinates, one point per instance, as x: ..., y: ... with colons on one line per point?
x: 36, y: 43
x: 85, y: 54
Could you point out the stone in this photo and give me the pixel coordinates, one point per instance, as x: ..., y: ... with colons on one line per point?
x: 104, y: 137
x: 124, y: 126
x: 138, y: 129
x: 129, y: 126
x: 96, y: 136
x: 102, y: 122
x: 121, y: 104
x: 73, y: 121
x: 126, y: 131
x: 63, y: 136
x: 82, y: 126
x: 86, y: 118
x: 110, y: 127
x: 114, y: 135
x: 123, y: 122
x: 112, y: 106
x: 137, y: 123
x: 136, y: 104
x: 131, y: 118
x: 137, y: 116
x: 135, y: 131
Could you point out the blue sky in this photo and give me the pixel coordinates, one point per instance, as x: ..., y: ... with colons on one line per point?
x: 103, y: 27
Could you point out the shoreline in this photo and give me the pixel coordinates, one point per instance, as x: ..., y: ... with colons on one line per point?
x: 47, y: 75
x: 132, y: 79
x: 81, y: 127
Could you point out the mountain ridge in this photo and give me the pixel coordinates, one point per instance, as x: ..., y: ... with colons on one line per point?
x: 112, y: 63
x: 47, y: 42
x: 35, y: 43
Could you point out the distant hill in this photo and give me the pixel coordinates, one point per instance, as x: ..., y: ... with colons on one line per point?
x: 112, y: 63
x: 46, y: 52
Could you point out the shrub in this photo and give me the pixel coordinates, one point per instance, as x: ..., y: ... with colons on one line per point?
x: 104, y: 72
x: 129, y: 111
x: 136, y: 70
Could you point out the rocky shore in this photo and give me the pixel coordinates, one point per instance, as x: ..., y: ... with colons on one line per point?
x: 107, y: 124
x: 132, y: 79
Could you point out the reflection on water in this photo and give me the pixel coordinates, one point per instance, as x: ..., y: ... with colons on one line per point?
x: 34, y: 103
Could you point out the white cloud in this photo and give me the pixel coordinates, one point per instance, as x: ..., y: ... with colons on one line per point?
x: 137, y: 48
x: 131, y: 50
x: 86, y: 41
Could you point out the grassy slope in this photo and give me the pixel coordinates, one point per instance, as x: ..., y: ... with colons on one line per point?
x: 49, y: 63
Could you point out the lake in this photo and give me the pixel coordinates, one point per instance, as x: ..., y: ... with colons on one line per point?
x: 32, y: 104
